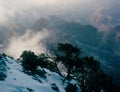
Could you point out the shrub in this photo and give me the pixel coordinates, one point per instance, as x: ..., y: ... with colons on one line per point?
x: 41, y: 73
x: 51, y: 66
x: 54, y: 87
x: 3, y: 70
x: 42, y: 60
x: 28, y: 59
x: 71, y: 88
x: 2, y: 76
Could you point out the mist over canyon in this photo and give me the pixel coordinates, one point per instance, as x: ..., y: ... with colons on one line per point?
x: 37, y: 25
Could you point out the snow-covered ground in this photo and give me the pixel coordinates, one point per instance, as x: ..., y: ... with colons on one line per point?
x: 18, y: 81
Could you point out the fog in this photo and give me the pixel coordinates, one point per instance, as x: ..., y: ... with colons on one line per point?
x: 71, y: 9
x: 29, y: 41
x: 17, y: 16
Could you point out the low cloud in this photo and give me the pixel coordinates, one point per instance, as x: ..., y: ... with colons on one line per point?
x: 29, y: 41
x: 19, y: 15
x: 100, y: 20
x: 72, y: 9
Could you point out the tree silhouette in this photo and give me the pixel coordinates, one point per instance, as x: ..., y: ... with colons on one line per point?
x: 55, y: 57
x: 91, y: 77
x: 28, y: 59
x: 86, y: 69
x: 42, y: 60
x: 68, y: 56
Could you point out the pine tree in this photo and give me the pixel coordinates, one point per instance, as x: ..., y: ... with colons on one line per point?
x: 28, y: 59
x: 68, y: 56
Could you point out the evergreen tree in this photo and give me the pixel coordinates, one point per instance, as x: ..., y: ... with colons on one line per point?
x: 92, y: 78
x: 56, y: 58
x: 28, y: 59
x: 68, y: 56
x: 42, y: 60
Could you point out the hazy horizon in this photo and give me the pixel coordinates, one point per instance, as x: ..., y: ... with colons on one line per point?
x: 76, y: 10
x: 17, y: 16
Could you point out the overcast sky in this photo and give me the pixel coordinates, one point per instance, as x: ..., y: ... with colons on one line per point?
x: 16, y: 14
x: 74, y: 9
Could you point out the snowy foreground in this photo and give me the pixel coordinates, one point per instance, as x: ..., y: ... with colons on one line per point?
x: 18, y: 81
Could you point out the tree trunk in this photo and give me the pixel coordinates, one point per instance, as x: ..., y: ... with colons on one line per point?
x: 82, y: 83
x: 69, y: 70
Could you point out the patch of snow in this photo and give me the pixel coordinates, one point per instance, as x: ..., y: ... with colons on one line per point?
x: 18, y: 81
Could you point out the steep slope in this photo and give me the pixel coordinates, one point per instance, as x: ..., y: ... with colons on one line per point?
x: 76, y: 31
x: 86, y: 37
x: 104, y: 46
x: 18, y: 81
